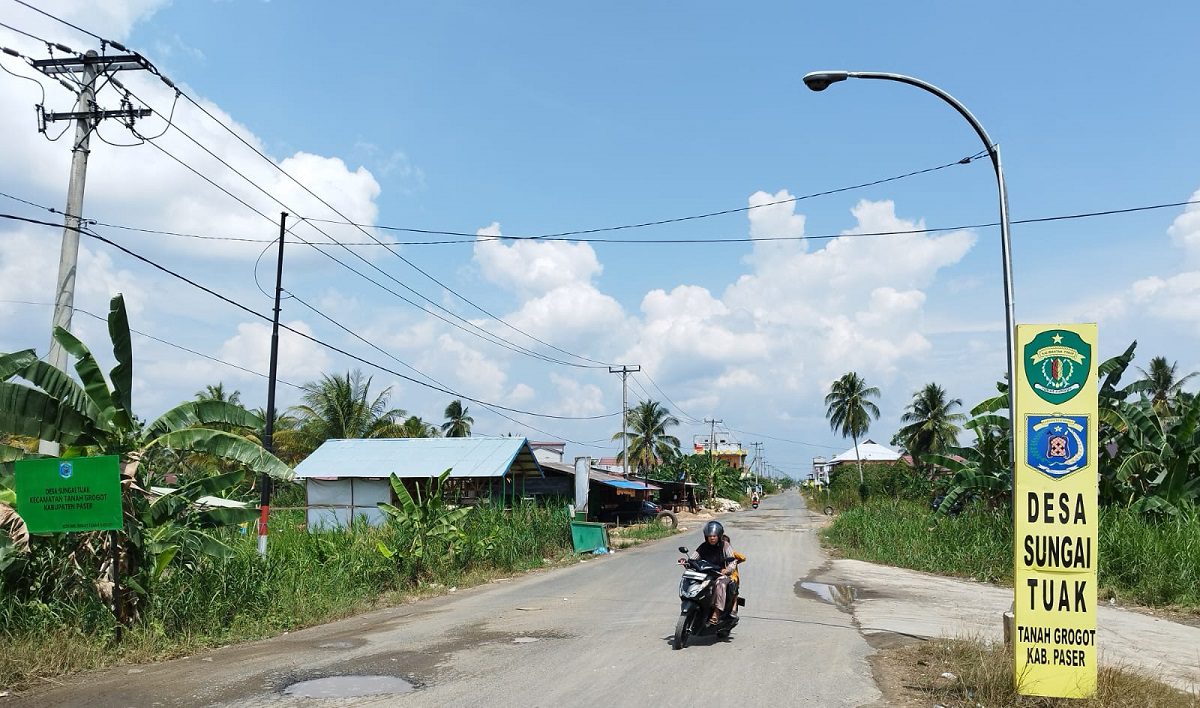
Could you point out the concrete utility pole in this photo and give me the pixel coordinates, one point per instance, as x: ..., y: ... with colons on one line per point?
x: 86, y: 116
x: 624, y: 371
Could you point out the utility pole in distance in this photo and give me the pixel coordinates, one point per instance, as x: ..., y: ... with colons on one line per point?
x: 624, y: 371
x: 86, y: 116
x: 264, y: 482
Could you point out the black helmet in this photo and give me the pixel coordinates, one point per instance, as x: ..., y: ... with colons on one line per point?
x: 714, y: 528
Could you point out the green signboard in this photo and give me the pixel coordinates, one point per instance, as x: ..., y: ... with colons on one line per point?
x: 79, y: 494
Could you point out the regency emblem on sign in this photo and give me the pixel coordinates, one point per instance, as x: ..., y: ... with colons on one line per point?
x: 1056, y: 364
x: 1056, y: 444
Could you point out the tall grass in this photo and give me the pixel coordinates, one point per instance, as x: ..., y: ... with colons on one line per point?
x: 977, y: 544
x: 1140, y: 560
x: 306, y: 579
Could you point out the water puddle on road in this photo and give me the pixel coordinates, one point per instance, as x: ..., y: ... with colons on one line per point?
x: 841, y: 596
x: 348, y: 686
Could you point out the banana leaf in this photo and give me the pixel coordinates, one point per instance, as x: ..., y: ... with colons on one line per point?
x: 60, y: 386
x: 226, y: 446
x: 225, y: 517
x: 11, y: 364
x: 27, y: 411
x: 122, y: 373
x: 94, y: 383
x: 200, y: 413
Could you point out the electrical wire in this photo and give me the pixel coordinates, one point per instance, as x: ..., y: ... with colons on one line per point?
x: 482, y: 333
x: 816, y: 237
x: 478, y: 331
x: 565, y: 235
x: 417, y: 371
x: 160, y: 341
x: 61, y: 20
x: 331, y: 347
x: 690, y: 418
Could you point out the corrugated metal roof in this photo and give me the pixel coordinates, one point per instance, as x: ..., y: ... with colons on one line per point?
x: 869, y: 451
x: 629, y: 484
x: 476, y: 456
x: 599, y: 475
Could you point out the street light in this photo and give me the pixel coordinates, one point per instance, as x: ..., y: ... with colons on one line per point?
x: 821, y: 80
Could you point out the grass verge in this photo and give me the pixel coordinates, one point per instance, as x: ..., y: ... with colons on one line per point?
x: 626, y: 536
x: 1152, y: 563
x: 307, y: 579
x: 982, y: 674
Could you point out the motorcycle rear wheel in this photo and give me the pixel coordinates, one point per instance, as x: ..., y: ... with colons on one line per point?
x: 683, y: 629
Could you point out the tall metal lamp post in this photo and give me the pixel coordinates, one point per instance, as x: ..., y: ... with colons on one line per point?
x: 820, y: 80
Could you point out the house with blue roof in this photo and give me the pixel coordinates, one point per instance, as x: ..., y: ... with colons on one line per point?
x: 347, y: 479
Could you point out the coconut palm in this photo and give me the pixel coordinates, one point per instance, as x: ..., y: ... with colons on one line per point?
x: 1163, y: 382
x: 931, y: 426
x: 415, y: 427
x: 340, y: 407
x: 647, y: 436
x: 458, y: 423
x: 217, y: 393
x: 849, y: 410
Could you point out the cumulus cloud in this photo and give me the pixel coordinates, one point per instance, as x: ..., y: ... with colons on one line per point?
x: 1185, y: 230
x: 534, y: 267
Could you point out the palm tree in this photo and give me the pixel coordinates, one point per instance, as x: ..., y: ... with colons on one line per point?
x: 339, y: 407
x: 931, y: 426
x: 1163, y: 382
x: 415, y: 427
x: 458, y: 423
x: 849, y: 412
x: 648, y: 440
x: 217, y: 393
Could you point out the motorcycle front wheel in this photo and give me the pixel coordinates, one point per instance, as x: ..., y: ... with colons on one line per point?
x: 683, y: 628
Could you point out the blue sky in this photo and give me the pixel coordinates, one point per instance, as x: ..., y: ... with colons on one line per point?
x: 543, y: 117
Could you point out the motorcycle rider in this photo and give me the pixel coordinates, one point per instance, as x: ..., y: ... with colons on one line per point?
x: 716, y: 550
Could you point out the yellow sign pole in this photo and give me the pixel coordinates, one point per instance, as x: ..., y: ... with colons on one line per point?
x: 1055, y: 510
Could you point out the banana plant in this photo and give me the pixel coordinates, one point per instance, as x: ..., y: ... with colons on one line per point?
x: 425, y: 522
x: 93, y: 415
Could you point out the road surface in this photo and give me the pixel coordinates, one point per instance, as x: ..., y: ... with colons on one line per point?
x: 596, y: 633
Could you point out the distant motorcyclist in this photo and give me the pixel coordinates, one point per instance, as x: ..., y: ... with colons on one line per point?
x: 716, y: 550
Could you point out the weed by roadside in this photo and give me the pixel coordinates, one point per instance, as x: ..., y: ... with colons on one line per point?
x: 967, y: 674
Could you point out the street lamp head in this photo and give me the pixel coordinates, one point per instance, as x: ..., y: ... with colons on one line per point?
x: 820, y: 80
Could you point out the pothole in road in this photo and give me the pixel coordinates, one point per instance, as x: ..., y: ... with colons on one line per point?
x: 350, y: 686
x: 841, y: 596
x: 524, y: 640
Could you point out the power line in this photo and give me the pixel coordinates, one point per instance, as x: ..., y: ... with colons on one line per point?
x: 786, y: 440
x: 692, y: 418
x: 68, y: 24
x: 485, y: 336
x: 563, y: 235
x: 417, y: 371
x: 821, y: 237
x: 159, y: 340
x: 304, y: 335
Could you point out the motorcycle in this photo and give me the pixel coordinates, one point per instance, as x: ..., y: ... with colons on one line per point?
x: 696, y: 596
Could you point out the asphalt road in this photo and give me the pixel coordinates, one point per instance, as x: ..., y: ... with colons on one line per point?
x: 596, y: 633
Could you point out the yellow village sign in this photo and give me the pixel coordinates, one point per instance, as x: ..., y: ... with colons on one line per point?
x: 1055, y: 510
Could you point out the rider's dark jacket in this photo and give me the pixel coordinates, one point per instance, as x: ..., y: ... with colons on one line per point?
x: 720, y: 555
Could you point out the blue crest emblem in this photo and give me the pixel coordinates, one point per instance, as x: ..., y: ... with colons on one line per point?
x: 1056, y: 445
x: 64, y: 470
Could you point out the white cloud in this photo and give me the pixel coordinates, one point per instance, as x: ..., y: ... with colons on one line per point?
x: 300, y: 359
x: 534, y: 267
x: 1185, y: 230
x: 576, y: 398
